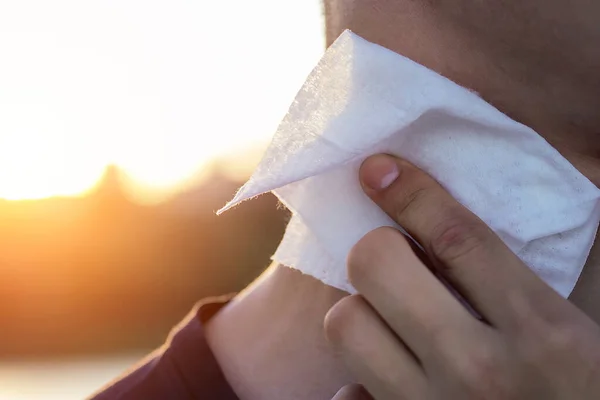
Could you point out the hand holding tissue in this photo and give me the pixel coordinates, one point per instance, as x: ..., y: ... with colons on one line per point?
x: 363, y: 99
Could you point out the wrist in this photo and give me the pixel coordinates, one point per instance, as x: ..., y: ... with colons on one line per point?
x: 269, y: 341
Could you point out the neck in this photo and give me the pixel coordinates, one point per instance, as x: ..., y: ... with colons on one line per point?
x: 559, y: 99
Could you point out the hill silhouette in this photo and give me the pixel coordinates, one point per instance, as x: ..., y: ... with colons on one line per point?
x: 102, y: 273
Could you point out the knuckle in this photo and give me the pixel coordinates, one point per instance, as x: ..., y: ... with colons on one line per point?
x: 563, y: 339
x: 481, y: 374
x: 410, y: 202
x: 556, y: 343
x: 366, y: 254
x: 568, y: 342
x: 341, y: 318
x: 479, y: 363
x: 456, y: 237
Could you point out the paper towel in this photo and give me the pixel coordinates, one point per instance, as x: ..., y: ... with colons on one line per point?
x: 363, y: 99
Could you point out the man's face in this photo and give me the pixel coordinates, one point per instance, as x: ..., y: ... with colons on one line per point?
x: 535, y: 28
x: 548, y: 51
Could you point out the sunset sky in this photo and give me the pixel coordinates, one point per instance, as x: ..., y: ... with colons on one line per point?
x: 157, y: 87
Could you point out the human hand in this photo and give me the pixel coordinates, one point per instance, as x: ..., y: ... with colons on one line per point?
x: 406, y: 337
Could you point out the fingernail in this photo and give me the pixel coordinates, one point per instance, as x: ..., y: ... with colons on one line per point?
x: 379, y: 172
x: 353, y: 391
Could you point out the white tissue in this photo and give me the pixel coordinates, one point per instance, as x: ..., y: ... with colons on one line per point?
x: 363, y: 99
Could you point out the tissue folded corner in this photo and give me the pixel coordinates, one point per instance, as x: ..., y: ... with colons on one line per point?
x: 363, y: 99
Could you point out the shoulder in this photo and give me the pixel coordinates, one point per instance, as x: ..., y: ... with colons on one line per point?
x: 183, y: 368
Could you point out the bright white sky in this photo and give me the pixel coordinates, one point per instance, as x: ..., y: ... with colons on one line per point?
x: 157, y: 87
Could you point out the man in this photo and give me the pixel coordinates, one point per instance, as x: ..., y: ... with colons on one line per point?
x: 539, y: 62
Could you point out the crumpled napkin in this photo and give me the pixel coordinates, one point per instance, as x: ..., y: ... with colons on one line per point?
x: 363, y: 99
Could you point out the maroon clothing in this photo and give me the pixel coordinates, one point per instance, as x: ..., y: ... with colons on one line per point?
x: 183, y: 368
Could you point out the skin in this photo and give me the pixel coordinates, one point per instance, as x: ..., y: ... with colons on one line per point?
x: 406, y: 337
x: 352, y: 392
x: 533, y: 59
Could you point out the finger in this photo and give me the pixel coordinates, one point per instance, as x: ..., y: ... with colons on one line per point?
x: 352, y: 392
x: 375, y: 356
x: 416, y: 305
x: 460, y: 245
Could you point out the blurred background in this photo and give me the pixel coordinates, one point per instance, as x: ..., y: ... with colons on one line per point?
x: 124, y: 126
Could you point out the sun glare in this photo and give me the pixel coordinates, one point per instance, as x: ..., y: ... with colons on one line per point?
x: 157, y: 88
